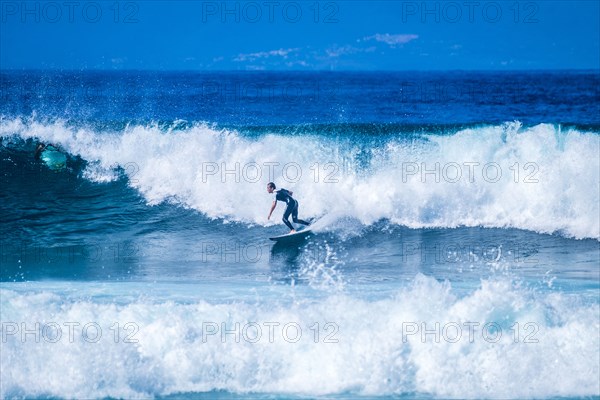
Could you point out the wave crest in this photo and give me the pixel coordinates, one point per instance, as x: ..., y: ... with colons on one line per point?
x: 538, y: 178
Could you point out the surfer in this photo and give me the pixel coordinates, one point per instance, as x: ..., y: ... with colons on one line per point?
x: 41, y: 147
x: 291, y: 208
x: 38, y: 151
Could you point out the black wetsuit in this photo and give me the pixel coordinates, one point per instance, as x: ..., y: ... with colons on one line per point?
x: 292, y: 208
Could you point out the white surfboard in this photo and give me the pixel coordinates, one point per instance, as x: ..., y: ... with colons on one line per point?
x: 293, y: 237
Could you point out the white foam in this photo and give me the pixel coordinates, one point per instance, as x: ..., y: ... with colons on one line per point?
x: 174, y: 353
x: 175, y: 166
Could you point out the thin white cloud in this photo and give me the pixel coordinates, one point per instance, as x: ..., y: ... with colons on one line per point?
x: 304, y: 57
x: 264, y: 54
x: 337, y: 51
x: 391, y: 40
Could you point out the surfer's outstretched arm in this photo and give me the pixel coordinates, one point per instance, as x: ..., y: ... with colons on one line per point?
x: 272, y: 208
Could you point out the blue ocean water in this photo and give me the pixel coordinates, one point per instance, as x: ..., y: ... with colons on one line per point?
x: 455, y: 251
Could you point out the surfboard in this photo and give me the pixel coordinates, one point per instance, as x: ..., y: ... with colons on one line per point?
x: 292, y: 237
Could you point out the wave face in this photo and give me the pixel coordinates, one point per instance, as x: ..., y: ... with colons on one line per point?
x: 376, y: 347
x: 540, y: 178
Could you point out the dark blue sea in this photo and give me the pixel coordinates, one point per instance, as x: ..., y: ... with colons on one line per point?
x: 454, y: 254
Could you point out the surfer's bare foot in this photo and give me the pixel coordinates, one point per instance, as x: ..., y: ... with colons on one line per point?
x: 293, y: 231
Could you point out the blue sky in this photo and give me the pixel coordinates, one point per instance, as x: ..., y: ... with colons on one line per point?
x: 284, y: 35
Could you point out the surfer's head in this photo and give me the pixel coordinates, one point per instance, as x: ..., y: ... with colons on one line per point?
x: 270, y: 187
